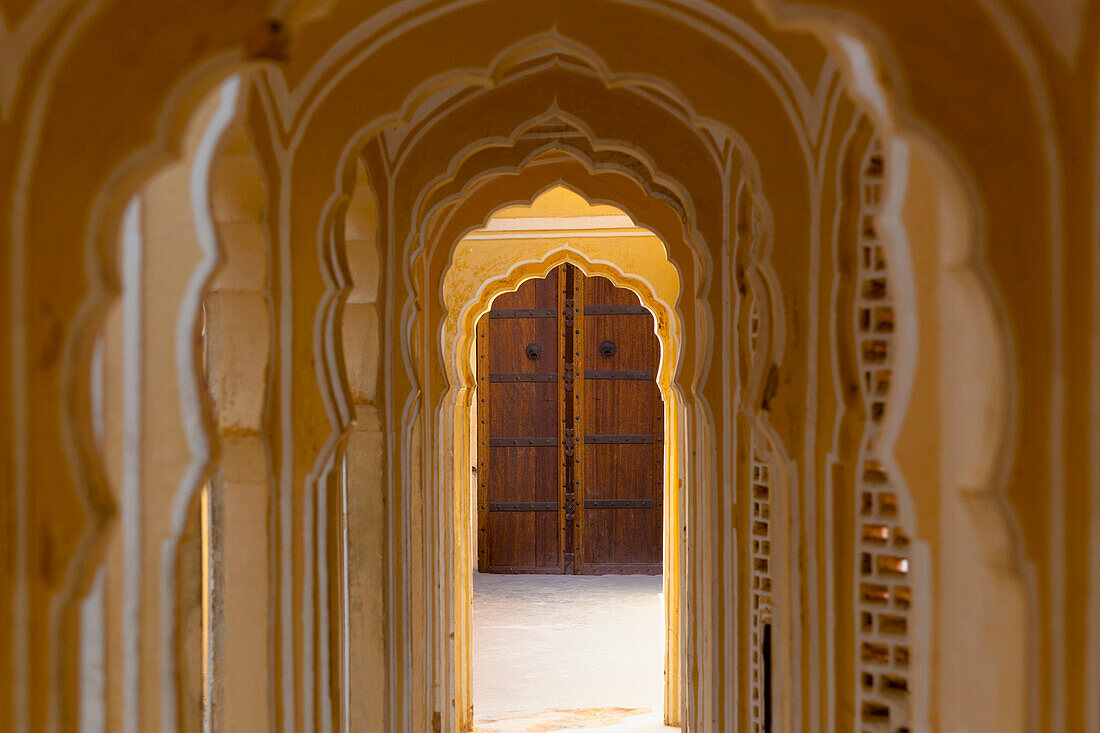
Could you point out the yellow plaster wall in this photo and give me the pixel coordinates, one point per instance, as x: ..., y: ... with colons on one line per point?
x: 1017, y: 401
x: 557, y: 202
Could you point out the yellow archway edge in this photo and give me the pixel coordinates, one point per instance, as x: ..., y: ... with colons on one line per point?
x: 467, y: 297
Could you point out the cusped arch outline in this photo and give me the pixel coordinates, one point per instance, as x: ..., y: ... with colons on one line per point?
x: 458, y: 400
x: 747, y: 45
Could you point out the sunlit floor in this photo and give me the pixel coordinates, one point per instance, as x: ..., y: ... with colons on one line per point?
x: 567, y: 652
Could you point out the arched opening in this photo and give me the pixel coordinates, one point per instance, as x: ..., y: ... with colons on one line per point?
x: 152, y: 607
x: 237, y: 359
x: 430, y: 667
x: 519, y: 246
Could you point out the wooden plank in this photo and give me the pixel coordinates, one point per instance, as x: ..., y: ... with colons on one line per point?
x: 523, y: 409
x: 531, y: 294
x: 521, y: 475
x: 621, y: 407
x: 510, y: 337
x: 512, y: 540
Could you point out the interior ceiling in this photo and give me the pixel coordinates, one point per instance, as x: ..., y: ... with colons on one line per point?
x: 432, y: 73
x: 319, y: 40
x: 569, y: 78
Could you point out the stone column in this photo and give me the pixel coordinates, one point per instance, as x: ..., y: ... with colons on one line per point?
x: 366, y: 509
x: 238, y: 362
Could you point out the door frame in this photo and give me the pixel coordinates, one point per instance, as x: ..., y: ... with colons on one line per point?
x: 660, y: 297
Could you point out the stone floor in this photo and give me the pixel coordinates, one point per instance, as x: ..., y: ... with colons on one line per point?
x: 567, y: 652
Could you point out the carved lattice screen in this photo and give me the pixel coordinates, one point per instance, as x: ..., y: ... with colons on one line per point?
x: 761, y: 539
x: 883, y: 589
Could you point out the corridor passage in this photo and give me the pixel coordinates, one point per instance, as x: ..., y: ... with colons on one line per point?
x: 567, y: 652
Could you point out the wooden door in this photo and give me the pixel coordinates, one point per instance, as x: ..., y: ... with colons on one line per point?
x: 569, y: 458
x: 621, y: 487
x: 519, y: 408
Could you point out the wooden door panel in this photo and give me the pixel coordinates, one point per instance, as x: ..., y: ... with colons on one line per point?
x: 519, y: 474
x: 511, y: 547
x: 636, y: 346
x: 621, y: 507
x: 619, y: 407
x: 519, y: 376
x: 523, y: 410
x: 622, y: 540
x: 511, y: 336
x: 601, y: 291
x: 521, y: 512
x: 598, y: 536
x: 621, y: 472
x: 523, y: 542
x: 627, y: 533
x: 539, y: 293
